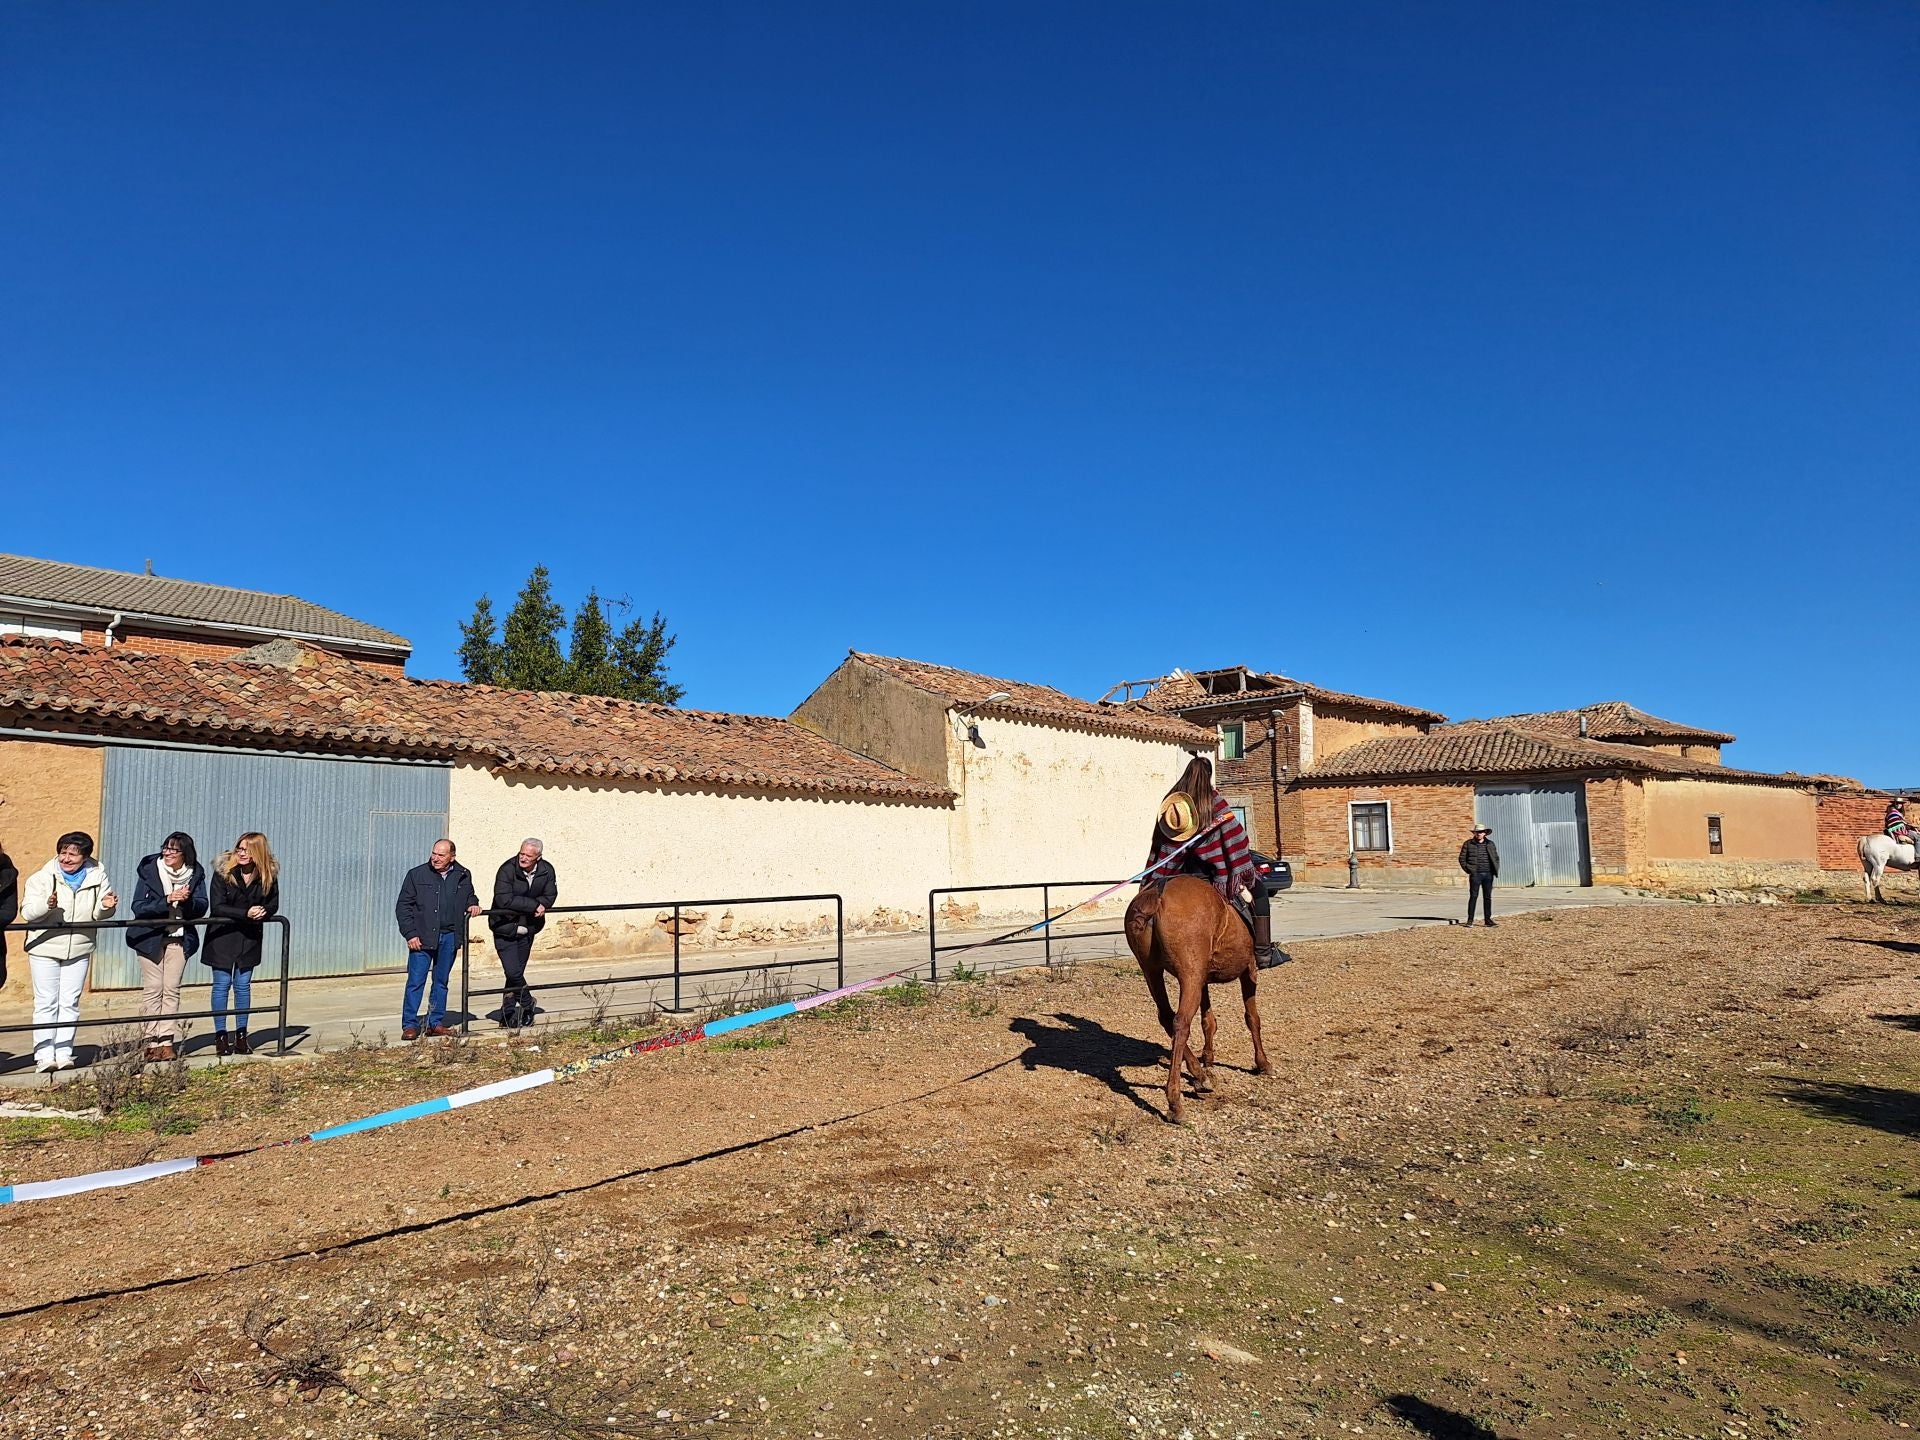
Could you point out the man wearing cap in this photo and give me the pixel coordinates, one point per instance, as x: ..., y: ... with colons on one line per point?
x: 1481, y: 861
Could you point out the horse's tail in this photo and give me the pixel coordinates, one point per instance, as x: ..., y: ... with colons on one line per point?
x: 1142, y: 917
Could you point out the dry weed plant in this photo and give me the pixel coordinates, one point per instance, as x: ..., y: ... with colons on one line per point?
x: 311, y: 1362
x: 843, y: 1220
x: 532, y: 1311
x: 1606, y: 1032
x: 1547, y: 1073
x: 582, y: 1407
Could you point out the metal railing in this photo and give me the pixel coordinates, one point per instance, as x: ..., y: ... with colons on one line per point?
x: 278, y: 1010
x: 677, y: 972
x: 1044, y: 939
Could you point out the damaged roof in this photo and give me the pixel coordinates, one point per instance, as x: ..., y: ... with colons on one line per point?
x: 288, y: 695
x: 1027, y: 701
x: 1184, y: 690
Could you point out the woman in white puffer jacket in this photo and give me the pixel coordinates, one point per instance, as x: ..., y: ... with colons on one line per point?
x: 67, y: 891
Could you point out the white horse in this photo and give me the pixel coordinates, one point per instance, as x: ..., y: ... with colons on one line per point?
x: 1879, y: 854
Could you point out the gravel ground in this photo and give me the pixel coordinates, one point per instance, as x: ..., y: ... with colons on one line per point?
x: 1638, y: 1171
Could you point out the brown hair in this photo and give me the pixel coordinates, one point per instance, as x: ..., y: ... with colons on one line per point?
x: 257, y: 853
x: 1196, y: 783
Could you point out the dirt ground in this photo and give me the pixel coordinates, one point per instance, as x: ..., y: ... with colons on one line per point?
x: 1603, y: 1172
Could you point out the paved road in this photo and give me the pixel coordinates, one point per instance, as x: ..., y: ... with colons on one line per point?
x: 327, y: 1014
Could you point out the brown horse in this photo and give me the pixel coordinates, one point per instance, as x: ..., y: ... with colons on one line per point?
x: 1184, y: 926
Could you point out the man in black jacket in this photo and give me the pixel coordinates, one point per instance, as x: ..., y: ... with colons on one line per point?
x: 1481, y: 861
x: 435, y: 900
x: 524, y: 889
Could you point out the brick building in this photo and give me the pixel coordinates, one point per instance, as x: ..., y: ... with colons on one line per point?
x: 1605, y: 793
x: 188, y: 618
x: 1270, y: 730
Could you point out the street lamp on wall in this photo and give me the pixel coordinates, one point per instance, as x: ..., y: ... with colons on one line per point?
x: 973, y: 728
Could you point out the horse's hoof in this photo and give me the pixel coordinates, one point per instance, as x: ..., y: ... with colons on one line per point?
x: 1263, y: 1069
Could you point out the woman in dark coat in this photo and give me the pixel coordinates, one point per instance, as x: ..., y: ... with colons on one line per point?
x: 9, y: 903
x: 172, y: 885
x: 246, y: 890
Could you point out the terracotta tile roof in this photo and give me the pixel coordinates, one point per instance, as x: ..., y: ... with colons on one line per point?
x: 290, y: 695
x: 1609, y: 720
x: 1467, y: 752
x: 1185, y: 691
x: 159, y: 597
x: 1038, y: 702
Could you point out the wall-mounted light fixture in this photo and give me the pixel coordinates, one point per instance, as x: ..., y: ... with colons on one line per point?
x: 973, y: 730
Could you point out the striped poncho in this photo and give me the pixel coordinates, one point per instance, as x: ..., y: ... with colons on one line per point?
x: 1224, y: 851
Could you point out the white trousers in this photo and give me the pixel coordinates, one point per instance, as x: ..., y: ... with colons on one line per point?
x: 56, y: 1004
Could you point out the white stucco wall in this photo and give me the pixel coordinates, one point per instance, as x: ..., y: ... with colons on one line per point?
x: 1041, y: 802
x: 613, y: 842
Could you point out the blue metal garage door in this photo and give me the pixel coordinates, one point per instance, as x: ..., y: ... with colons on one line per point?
x: 344, y: 832
x: 1540, y: 830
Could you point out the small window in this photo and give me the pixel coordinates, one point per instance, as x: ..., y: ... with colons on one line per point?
x: 1713, y: 834
x: 1233, y: 740
x: 1370, y: 828
x: 1240, y: 814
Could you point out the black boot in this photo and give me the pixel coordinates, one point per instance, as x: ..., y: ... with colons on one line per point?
x: 222, y: 1045
x: 1265, y: 957
x: 240, y: 1046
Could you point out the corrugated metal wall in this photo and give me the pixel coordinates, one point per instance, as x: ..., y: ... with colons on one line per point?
x: 344, y: 831
x: 1541, y: 832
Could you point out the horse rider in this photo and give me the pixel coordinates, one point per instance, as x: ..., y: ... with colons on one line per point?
x: 1897, y: 827
x: 1224, y: 854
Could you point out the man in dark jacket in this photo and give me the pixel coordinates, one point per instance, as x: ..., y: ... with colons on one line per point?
x: 435, y: 900
x: 524, y: 889
x: 1481, y: 861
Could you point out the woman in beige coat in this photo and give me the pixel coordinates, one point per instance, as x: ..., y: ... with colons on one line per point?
x: 65, y: 893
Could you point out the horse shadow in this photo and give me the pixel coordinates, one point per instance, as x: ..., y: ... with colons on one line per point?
x: 1086, y: 1047
x: 1879, y: 1106
x: 1436, y: 1421
x: 1905, y: 1022
x: 1899, y: 947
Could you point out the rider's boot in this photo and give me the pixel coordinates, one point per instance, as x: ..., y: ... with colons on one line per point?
x: 1265, y: 957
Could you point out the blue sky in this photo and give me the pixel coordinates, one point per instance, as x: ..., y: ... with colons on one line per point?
x: 1485, y: 357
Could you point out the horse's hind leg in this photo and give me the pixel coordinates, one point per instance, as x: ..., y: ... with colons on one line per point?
x: 1156, y: 974
x: 1180, y: 1057
x: 1203, y: 1079
x: 1248, y: 984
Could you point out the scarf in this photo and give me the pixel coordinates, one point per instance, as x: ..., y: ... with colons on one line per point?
x: 171, y: 880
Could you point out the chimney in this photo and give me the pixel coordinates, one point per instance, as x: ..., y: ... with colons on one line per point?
x: 149, y: 567
x: 1583, y: 724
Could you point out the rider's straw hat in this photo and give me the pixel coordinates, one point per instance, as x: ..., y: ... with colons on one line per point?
x: 1178, y: 820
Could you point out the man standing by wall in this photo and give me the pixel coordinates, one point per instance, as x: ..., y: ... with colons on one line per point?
x: 1481, y: 861
x: 524, y: 889
x: 435, y: 900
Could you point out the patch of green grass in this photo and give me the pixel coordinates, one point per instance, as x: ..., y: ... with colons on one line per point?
x: 1841, y: 1220
x: 1646, y: 1322
x: 753, y: 1040
x: 33, y: 1130
x: 965, y: 974
x: 912, y: 991
x: 1682, y: 1114
x: 1895, y: 1301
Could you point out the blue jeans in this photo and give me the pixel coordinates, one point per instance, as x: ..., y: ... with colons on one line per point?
x: 238, y: 984
x: 440, y: 958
